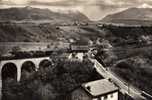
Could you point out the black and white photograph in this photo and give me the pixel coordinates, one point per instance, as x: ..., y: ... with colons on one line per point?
x: 75, y: 49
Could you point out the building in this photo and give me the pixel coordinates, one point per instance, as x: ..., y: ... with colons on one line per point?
x: 96, y: 90
x: 79, y: 48
x: 76, y: 56
x: 78, y: 52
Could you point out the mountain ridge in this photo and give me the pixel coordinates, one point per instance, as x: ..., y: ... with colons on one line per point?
x: 31, y: 13
x: 29, y: 24
x: 132, y: 15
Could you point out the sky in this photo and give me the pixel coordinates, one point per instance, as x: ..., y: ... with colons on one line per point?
x: 94, y: 9
x: 102, y: 2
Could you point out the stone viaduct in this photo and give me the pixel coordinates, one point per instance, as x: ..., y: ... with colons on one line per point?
x: 13, y: 68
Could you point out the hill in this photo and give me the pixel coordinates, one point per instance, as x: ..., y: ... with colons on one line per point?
x: 38, y: 25
x: 46, y: 32
x: 131, y: 16
x: 29, y: 13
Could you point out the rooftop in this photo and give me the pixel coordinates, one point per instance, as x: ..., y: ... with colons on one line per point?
x: 77, y: 48
x: 99, y: 87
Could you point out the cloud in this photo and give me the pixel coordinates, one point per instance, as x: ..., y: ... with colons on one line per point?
x: 87, y: 2
x: 15, y: 1
x: 145, y: 5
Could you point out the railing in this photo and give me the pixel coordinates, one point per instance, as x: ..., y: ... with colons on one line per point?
x: 148, y: 96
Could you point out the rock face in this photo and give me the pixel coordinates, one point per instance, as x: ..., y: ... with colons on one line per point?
x: 133, y: 16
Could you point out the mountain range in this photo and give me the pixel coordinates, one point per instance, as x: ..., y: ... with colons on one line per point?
x: 37, y: 25
x: 29, y: 13
x: 131, y: 16
x: 42, y: 25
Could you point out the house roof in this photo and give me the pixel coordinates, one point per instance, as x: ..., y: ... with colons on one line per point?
x: 63, y: 55
x: 79, y: 48
x: 99, y: 87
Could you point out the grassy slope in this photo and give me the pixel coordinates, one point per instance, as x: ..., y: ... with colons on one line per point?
x: 136, y: 56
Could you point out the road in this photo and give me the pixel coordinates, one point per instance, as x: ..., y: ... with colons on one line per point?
x: 124, y: 88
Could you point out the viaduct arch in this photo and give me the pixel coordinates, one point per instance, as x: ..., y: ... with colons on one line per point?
x: 27, y: 69
x: 23, y: 64
x: 15, y: 68
x: 44, y: 64
x: 9, y: 70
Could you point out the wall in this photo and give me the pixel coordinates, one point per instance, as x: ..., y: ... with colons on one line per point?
x: 80, y: 94
x: 114, y: 97
x: 78, y: 55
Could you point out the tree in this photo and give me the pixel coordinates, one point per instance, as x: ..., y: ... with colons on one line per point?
x: 55, y: 82
x: 15, y: 50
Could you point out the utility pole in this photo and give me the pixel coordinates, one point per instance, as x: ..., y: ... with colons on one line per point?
x: 128, y: 89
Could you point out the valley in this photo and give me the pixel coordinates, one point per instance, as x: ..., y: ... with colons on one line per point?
x: 123, y: 40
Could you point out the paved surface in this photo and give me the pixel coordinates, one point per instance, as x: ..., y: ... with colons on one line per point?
x: 123, y: 86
